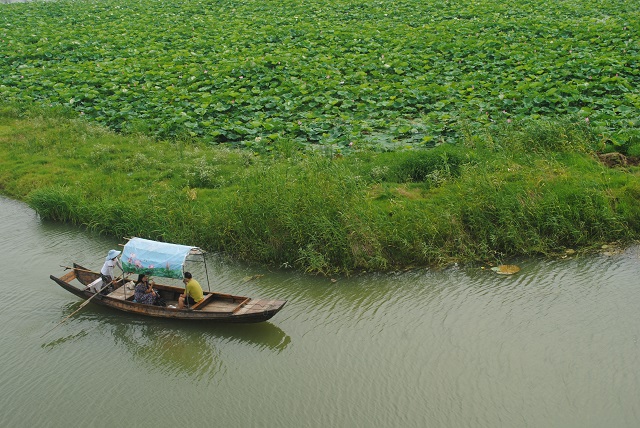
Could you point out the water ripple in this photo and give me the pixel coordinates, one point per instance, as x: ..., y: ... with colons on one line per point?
x: 554, y: 345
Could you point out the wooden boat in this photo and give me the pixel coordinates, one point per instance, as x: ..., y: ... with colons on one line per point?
x: 214, y: 307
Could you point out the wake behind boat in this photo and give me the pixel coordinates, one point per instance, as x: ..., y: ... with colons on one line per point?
x: 165, y: 260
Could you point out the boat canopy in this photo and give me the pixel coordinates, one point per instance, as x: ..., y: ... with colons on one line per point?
x: 156, y: 258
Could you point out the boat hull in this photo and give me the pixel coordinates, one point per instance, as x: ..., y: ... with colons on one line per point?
x: 217, y: 307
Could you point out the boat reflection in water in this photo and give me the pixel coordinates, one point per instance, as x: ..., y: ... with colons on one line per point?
x: 171, y: 347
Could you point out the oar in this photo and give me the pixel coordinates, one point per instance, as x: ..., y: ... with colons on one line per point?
x: 81, y: 306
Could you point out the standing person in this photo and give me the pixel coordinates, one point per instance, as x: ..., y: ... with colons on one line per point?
x: 144, y: 292
x: 106, y: 272
x: 192, y: 291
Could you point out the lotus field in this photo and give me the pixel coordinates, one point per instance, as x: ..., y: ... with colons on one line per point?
x: 346, y: 74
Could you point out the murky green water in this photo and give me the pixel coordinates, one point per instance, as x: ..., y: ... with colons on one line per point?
x: 553, y: 346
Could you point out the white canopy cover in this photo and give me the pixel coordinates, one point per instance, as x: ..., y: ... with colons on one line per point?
x: 156, y: 258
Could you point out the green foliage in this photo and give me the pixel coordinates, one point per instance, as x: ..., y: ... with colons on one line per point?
x: 627, y: 204
x: 512, y: 220
x: 325, y: 212
x: 337, y: 73
x: 292, y: 213
x: 56, y: 203
x: 205, y: 175
x: 432, y: 165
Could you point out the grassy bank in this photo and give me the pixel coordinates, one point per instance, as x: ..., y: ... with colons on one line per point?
x: 514, y: 190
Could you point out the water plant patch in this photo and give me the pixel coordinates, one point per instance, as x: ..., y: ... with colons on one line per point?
x: 384, y: 74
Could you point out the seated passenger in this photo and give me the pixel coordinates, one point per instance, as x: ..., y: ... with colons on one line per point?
x: 192, y: 291
x: 144, y: 292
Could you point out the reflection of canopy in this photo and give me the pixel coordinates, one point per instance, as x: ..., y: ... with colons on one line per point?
x: 156, y: 258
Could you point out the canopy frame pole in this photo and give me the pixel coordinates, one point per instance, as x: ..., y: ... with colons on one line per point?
x: 206, y: 271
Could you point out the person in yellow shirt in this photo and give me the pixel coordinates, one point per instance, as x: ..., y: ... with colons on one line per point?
x: 192, y: 291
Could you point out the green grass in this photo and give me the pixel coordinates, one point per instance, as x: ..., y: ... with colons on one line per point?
x: 486, y: 199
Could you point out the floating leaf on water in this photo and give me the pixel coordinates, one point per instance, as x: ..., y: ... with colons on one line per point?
x: 506, y: 269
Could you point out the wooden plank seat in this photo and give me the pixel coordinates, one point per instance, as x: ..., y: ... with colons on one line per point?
x: 201, y: 303
x: 69, y: 276
x: 244, y: 302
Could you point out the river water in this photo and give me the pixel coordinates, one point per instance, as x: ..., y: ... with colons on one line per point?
x: 556, y: 345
